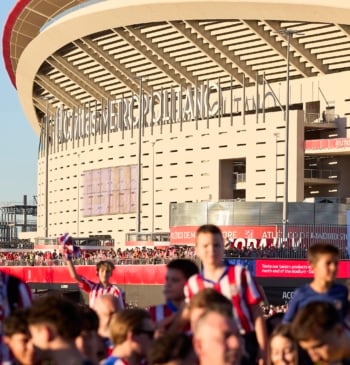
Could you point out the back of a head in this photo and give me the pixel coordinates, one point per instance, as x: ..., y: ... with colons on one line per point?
x: 58, y: 312
x: 209, y: 318
x: 186, y: 266
x: 89, y: 318
x: 16, y: 322
x: 319, y: 249
x: 315, y: 319
x: 210, y: 299
x: 126, y: 321
x: 107, y: 301
x: 170, y: 347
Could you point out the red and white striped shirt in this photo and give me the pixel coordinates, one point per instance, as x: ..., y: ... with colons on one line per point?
x: 96, y: 290
x: 160, y: 311
x: 237, y: 284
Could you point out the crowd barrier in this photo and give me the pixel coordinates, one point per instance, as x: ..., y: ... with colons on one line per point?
x: 155, y: 274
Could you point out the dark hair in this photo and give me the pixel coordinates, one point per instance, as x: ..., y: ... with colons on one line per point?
x: 186, y: 266
x: 106, y: 264
x: 273, y: 322
x: 209, y: 228
x: 285, y: 330
x: 282, y: 329
x: 170, y: 347
x: 16, y: 322
x: 89, y: 318
x: 318, y: 249
x: 315, y: 319
x: 58, y: 312
x: 211, y: 300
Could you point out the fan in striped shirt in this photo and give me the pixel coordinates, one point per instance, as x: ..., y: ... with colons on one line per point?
x: 236, y: 283
x: 104, y: 271
x: 178, y: 272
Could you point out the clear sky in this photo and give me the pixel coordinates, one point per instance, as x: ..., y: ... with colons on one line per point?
x: 18, y: 141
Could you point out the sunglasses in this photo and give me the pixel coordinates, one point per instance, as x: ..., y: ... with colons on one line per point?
x: 149, y: 333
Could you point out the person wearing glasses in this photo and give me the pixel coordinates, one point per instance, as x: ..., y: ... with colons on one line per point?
x: 132, y: 332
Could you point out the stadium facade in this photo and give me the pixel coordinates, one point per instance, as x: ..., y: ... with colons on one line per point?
x: 143, y: 106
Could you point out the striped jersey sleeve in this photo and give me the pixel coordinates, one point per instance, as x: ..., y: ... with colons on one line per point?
x: 96, y: 289
x: 236, y: 284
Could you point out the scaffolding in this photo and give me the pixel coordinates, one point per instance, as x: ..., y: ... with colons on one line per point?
x: 15, y: 218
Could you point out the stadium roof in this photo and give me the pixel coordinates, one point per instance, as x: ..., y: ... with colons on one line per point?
x: 106, y: 59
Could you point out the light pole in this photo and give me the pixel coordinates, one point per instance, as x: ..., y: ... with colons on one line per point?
x: 276, y: 166
x: 288, y: 33
x: 141, y: 122
x: 152, y: 226
x: 47, y: 169
x: 78, y: 202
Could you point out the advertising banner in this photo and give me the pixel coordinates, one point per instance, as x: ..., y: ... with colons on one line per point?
x: 267, y: 236
x: 293, y: 269
x: 186, y: 234
x: 278, y: 295
x: 122, y: 275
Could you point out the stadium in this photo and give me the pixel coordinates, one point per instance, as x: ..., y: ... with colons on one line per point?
x: 158, y: 116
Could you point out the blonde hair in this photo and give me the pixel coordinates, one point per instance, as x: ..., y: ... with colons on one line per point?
x: 125, y: 321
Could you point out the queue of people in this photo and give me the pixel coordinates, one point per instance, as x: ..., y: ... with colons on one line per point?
x: 210, y: 316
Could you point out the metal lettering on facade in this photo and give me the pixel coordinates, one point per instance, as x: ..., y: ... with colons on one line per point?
x: 162, y: 107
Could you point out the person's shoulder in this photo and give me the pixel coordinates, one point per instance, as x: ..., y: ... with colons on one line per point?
x: 87, y: 362
x: 194, y: 277
x: 339, y: 287
x: 304, y: 290
x: 113, y: 360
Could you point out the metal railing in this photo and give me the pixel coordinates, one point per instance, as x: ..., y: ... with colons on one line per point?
x: 239, y: 177
x: 321, y: 174
x: 285, y: 253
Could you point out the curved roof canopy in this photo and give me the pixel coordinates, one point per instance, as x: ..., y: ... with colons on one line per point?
x: 106, y: 59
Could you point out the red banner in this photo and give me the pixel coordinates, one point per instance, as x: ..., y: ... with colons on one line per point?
x: 333, y: 143
x: 293, y: 269
x: 155, y: 274
x: 186, y: 234
x: 122, y: 275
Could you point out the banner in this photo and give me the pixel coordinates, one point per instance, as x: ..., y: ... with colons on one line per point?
x: 155, y: 274
x: 293, y: 269
x: 122, y: 275
x: 278, y: 295
x: 186, y: 234
x: 267, y: 236
x: 348, y: 229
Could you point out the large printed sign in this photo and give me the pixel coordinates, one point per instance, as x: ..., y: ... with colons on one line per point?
x: 293, y: 269
x: 266, y: 236
x: 122, y: 275
x: 186, y: 234
x: 333, y: 143
x: 155, y: 274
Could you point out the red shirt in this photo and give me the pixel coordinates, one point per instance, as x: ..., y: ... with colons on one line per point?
x: 237, y: 284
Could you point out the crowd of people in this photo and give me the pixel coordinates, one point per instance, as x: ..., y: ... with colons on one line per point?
x: 213, y: 316
x: 134, y: 256
x: 145, y: 255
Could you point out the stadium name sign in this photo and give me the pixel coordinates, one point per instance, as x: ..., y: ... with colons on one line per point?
x: 162, y: 107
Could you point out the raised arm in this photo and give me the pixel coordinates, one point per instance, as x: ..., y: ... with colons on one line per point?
x: 73, y: 273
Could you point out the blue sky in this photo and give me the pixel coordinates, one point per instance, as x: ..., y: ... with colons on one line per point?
x: 18, y: 141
